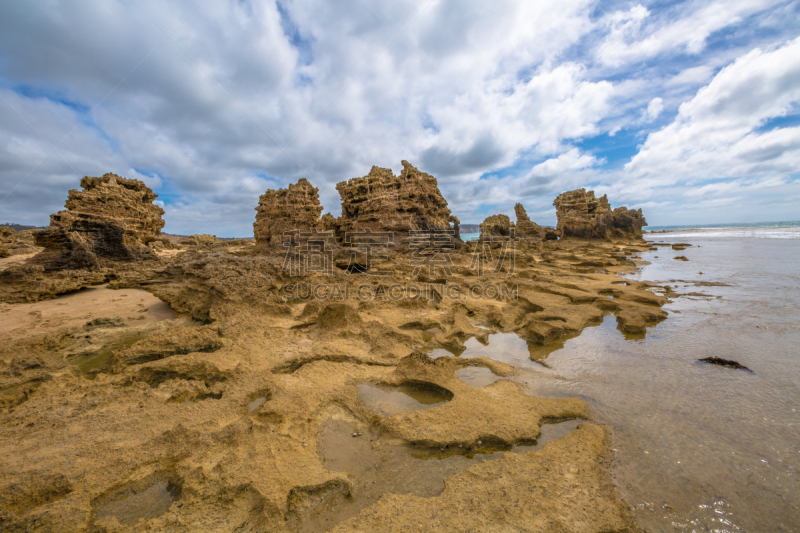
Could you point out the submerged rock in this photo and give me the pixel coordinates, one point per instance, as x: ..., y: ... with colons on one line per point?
x: 111, y: 219
x: 724, y: 362
x: 295, y: 208
x: 581, y: 214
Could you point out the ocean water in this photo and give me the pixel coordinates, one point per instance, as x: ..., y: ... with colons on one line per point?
x: 470, y: 236
x: 701, y: 447
x: 718, y: 227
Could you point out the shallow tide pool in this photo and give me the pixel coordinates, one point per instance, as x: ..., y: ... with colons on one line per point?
x: 701, y: 447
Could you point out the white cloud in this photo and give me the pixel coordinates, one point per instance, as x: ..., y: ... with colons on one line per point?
x: 715, y: 135
x: 654, y: 109
x: 252, y: 96
x: 568, y: 161
x: 631, y: 39
x: 692, y: 75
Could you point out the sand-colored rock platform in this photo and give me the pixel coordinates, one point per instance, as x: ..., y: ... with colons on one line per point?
x: 196, y: 391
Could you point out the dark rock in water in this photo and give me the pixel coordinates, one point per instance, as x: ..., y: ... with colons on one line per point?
x: 681, y: 258
x: 581, y: 214
x: 724, y: 362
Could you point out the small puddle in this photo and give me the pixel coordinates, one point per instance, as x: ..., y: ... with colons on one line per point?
x: 130, y: 507
x: 511, y: 349
x: 550, y: 431
x: 90, y: 364
x: 477, y: 376
x: 429, y: 334
x: 389, y: 400
x: 442, y: 352
x: 380, y: 469
x: 258, y: 402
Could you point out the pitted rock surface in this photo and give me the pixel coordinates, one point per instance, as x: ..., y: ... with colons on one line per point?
x: 295, y: 208
x: 381, y: 201
x: 526, y: 228
x: 111, y: 219
x: 497, y: 226
x: 581, y: 214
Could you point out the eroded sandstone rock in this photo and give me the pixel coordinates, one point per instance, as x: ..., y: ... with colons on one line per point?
x: 111, y: 219
x: 497, y: 226
x: 202, y: 241
x: 526, y: 228
x: 581, y: 214
x: 21, y: 243
x: 188, y: 390
x: 381, y: 201
x: 295, y: 208
x: 5, y: 236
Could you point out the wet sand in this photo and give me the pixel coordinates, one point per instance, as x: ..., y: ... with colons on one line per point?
x: 135, y: 307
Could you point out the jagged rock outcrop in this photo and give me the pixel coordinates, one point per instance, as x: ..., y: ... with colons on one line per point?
x: 497, y: 226
x: 202, y: 241
x: 5, y: 236
x: 30, y: 282
x: 527, y: 229
x: 21, y: 242
x: 381, y: 201
x: 111, y: 219
x: 580, y: 214
x: 295, y: 208
x: 628, y: 221
x: 456, y: 226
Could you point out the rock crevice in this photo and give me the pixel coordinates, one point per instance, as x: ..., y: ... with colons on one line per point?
x: 295, y: 208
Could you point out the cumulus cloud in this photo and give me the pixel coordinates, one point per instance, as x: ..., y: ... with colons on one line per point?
x: 212, y: 103
x: 636, y: 35
x: 654, y: 109
x: 718, y: 133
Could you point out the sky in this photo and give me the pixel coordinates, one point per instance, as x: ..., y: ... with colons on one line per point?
x: 688, y: 110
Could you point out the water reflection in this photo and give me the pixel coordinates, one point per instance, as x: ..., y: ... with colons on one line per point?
x: 389, y: 400
x: 477, y: 376
x: 377, y: 469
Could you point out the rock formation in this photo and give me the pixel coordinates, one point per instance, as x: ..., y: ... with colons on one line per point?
x: 527, y: 229
x: 20, y: 243
x: 381, y: 201
x: 295, y: 208
x: 5, y: 236
x: 497, y: 226
x: 501, y: 226
x: 456, y: 226
x: 261, y: 360
x: 111, y: 219
x: 202, y: 241
x: 580, y: 214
